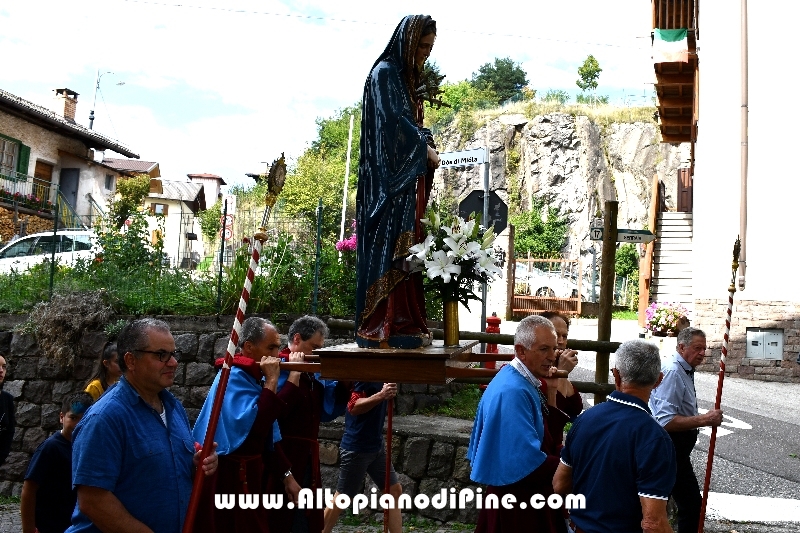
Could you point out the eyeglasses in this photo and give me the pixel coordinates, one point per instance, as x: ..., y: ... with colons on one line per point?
x: 163, y: 355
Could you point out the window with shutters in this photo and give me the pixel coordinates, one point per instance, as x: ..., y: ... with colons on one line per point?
x: 9, y: 151
x: 14, y: 157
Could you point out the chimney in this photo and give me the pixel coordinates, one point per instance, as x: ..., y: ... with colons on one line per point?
x: 65, y: 104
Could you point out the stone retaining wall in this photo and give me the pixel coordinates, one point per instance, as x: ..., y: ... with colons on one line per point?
x: 428, y: 453
x: 38, y: 386
x: 709, y: 315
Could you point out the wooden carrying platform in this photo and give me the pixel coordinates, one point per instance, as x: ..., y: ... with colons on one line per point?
x: 432, y: 364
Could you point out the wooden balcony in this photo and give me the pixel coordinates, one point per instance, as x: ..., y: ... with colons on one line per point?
x: 677, y: 83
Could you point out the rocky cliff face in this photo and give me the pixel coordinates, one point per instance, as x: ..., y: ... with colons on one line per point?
x: 570, y: 162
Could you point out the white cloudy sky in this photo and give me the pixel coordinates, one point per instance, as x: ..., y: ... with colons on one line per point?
x: 222, y: 86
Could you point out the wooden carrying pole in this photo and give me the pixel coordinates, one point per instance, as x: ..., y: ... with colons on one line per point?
x: 718, y: 401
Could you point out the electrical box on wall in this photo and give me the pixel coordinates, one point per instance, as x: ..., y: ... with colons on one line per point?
x: 764, y: 343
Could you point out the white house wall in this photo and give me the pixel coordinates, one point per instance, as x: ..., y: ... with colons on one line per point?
x: 773, y: 185
x: 771, y: 298
x: 176, y: 246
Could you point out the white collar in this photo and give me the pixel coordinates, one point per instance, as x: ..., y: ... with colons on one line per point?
x: 624, y: 402
x: 520, y: 367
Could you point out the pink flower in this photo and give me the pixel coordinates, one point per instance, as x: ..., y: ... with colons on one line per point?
x: 347, y: 245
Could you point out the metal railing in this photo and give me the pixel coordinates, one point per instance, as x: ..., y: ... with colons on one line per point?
x: 675, y: 14
x: 96, y: 212
x: 27, y: 192
x: 67, y: 217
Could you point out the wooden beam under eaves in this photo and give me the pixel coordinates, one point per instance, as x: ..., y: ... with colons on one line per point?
x: 674, y: 79
x: 675, y: 139
x: 675, y: 102
x: 680, y: 120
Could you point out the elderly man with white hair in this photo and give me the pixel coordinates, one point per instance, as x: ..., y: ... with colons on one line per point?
x: 618, y: 457
x: 510, y: 448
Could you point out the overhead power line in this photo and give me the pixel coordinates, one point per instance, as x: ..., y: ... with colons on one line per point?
x: 372, y: 23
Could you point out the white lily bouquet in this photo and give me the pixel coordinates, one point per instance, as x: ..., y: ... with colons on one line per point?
x: 455, y: 255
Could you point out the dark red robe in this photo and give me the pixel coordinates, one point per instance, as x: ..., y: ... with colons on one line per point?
x: 238, y: 473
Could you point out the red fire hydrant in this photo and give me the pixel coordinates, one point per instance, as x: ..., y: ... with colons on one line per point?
x: 492, y: 326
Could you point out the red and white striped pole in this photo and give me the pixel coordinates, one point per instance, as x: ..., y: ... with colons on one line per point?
x: 233, y: 341
x: 712, y: 444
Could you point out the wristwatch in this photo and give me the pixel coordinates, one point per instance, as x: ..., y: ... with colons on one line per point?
x: 287, y: 474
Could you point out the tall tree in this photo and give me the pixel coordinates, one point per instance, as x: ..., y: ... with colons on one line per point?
x: 589, y: 73
x: 542, y: 231
x: 319, y: 172
x: 504, y: 77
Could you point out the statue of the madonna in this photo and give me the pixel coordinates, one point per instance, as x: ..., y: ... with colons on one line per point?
x: 395, y: 176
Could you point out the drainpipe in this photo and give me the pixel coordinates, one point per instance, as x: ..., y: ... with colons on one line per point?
x: 743, y: 186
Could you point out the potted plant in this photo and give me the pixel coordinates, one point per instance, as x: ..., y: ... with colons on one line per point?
x: 455, y: 254
x: 662, y: 318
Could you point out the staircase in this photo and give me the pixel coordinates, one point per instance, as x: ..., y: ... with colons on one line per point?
x: 672, y: 259
x: 67, y: 217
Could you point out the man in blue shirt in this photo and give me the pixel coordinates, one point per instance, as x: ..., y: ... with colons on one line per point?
x: 618, y: 457
x: 133, y: 453
x: 674, y: 406
x: 363, y: 451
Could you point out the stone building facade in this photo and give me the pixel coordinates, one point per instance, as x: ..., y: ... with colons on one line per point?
x: 783, y: 317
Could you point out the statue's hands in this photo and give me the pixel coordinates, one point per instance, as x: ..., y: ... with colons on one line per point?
x: 433, y: 158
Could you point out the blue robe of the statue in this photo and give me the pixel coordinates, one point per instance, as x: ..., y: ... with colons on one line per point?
x: 393, y: 156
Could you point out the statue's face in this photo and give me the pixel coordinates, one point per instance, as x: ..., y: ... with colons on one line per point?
x: 424, y: 49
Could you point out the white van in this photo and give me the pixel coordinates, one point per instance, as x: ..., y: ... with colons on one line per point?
x: 31, y: 250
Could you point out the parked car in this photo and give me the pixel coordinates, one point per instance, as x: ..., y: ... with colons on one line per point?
x: 25, y: 252
x: 553, y: 284
x: 537, y: 282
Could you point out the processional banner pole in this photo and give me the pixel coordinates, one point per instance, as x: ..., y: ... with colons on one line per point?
x: 387, y: 478
x: 275, y: 178
x: 731, y: 290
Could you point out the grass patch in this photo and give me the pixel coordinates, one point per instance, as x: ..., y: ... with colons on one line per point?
x: 625, y: 315
x: 463, y: 404
x: 5, y: 500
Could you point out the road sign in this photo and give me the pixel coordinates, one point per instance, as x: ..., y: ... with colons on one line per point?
x: 231, y: 200
x: 227, y: 220
x: 498, y: 210
x: 464, y: 158
x: 596, y: 234
x: 634, y: 235
x: 226, y: 233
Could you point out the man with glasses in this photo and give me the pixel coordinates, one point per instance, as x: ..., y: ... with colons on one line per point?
x: 133, y: 451
x: 674, y: 406
x: 511, y: 449
x: 246, y: 421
